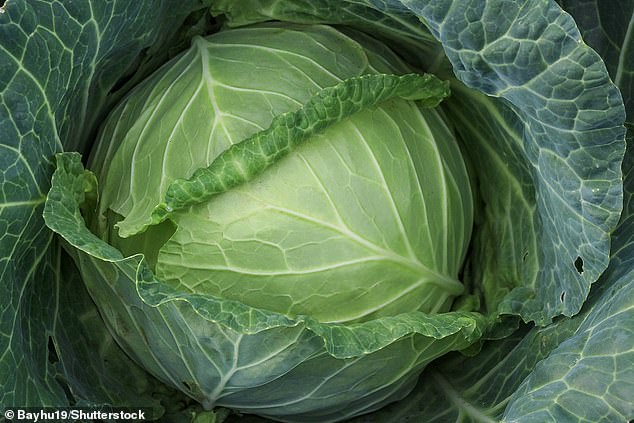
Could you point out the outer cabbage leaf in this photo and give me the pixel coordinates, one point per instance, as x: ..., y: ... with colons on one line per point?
x: 62, y: 65
x: 570, y: 112
x: 607, y: 28
x: 595, y: 366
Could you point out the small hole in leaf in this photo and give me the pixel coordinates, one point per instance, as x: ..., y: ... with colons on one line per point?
x: 52, y: 351
x: 187, y: 386
x: 562, y: 297
x: 579, y: 264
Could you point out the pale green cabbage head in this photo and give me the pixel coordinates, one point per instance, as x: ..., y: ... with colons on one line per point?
x: 368, y: 219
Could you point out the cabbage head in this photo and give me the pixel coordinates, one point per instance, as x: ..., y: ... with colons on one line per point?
x: 356, y: 226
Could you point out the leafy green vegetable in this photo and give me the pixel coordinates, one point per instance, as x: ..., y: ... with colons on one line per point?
x: 198, y: 314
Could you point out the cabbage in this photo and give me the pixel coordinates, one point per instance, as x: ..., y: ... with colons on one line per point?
x: 355, y: 226
x: 369, y: 218
x: 316, y: 211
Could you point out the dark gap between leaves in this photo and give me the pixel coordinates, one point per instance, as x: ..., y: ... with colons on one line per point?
x: 53, y: 358
x: 52, y: 351
x: 130, y: 72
